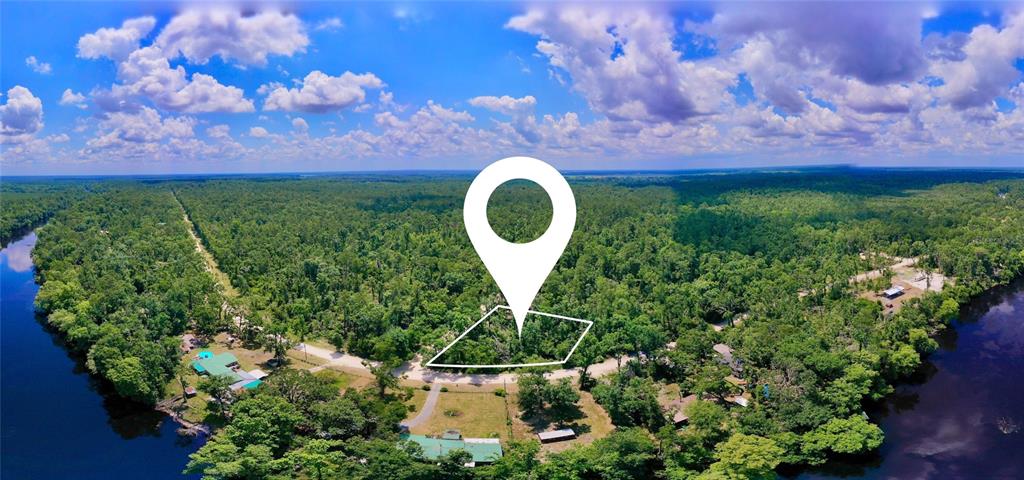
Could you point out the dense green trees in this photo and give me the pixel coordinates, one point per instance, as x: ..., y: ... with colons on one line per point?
x: 121, y: 278
x: 298, y: 421
x: 382, y: 268
x: 843, y: 435
x: 554, y: 400
x: 745, y: 457
x: 631, y: 401
x: 26, y: 204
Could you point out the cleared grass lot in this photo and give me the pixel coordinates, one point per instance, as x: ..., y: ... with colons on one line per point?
x: 479, y: 415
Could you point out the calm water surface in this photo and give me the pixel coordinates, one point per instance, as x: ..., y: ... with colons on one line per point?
x: 963, y: 416
x: 56, y: 421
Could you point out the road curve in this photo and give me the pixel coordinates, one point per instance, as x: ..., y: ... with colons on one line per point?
x: 426, y: 411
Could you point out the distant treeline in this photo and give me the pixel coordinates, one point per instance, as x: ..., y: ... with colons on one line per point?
x: 26, y: 205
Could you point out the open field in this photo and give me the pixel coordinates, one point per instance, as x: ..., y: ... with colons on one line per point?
x: 480, y: 415
x: 594, y: 425
x: 415, y: 404
x: 477, y: 412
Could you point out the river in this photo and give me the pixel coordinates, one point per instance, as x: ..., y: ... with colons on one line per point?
x: 954, y: 420
x: 56, y: 420
x: 962, y: 416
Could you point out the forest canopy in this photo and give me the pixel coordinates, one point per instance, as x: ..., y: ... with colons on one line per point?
x: 381, y: 267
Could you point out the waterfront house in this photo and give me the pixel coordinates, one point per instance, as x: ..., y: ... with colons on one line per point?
x: 226, y: 365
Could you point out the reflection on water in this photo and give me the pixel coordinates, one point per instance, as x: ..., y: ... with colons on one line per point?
x: 57, y: 421
x: 18, y: 256
x: 955, y: 418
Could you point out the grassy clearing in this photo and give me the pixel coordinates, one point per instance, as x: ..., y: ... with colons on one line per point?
x: 343, y: 380
x: 319, y: 342
x: 594, y: 417
x: 415, y: 404
x: 480, y: 415
x: 668, y: 393
x: 593, y: 424
x: 303, y: 361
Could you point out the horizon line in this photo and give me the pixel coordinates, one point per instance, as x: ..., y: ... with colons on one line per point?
x: 571, y: 172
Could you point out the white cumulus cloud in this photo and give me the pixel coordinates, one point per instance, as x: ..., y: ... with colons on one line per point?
x: 115, y: 43
x: 21, y: 116
x: 987, y: 68
x: 70, y: 98
x: 329, y: 24
x: 134, y: 133
x: 505, y: 104
x: 322, y: 93
x: 200, y: 34
x: 624, y: 62
x: 148, y: 73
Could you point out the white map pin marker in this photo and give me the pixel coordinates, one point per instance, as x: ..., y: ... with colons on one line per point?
x: 519, y: 269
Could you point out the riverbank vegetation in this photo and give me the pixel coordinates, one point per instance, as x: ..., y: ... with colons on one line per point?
x: 381, y: 267
x: 27, y: 204
x: 122, y: 281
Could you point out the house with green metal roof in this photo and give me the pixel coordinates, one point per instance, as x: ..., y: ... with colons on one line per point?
x: 483, y: 450
x: 226, y: 365
x: 217, y: 365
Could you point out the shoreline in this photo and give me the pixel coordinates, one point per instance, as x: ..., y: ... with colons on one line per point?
x: 188, y: 428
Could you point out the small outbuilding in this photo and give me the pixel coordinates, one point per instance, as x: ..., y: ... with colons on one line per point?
x: 741, y: 400
x: 557, y: 435
x: 677, y: 407
x: 893, y: 292
x: 726, y: 357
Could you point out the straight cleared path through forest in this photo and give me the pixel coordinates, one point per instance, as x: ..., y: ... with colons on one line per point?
x: 211, y: 263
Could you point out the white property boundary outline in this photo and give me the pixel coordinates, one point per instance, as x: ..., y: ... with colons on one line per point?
x: 589, y: 323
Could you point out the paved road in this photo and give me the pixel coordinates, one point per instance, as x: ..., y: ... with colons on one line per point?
x: 428, y: 408
x: 416, y: 372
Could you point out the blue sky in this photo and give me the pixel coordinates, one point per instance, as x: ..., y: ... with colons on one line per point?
x: 164, y: 88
